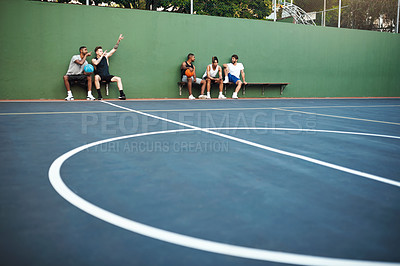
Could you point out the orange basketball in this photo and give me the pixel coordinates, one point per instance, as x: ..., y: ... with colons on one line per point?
x: 189, y: 73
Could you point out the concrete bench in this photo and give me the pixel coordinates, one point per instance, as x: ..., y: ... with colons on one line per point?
x: 255, y: 84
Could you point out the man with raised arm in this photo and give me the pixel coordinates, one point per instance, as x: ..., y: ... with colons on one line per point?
x: 102, y: 73
x: 76, y: 74
x: 232, y: 74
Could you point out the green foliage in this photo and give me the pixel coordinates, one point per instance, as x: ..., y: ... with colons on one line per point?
x: 251, y: 9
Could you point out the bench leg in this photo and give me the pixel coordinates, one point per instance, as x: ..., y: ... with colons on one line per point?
x: 107, y: 89
x: 282, y: 88
x: 180, y: 90
x: 225, y: 88
x: 244, y: 90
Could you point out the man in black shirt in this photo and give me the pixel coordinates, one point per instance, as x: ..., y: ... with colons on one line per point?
x: 101, y: 69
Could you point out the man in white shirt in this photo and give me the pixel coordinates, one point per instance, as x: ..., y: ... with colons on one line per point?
x: 232, y: 74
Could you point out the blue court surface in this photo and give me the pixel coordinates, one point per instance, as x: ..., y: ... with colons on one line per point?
x: 178, y: 182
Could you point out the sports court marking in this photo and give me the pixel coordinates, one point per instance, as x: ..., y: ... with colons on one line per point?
x: 60, y: 113
x: 329, y: 165
x: 187, y: 241
x: 337, y: 116
x: 212, y: 109
x: 201, y: 244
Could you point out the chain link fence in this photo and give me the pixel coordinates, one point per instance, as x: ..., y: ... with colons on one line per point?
x: 373, y: 15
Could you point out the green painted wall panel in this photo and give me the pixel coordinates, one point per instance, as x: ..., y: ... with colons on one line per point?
x: 38, y: 40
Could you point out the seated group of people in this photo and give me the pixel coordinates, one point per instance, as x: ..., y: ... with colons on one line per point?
x: 76, y: 72
x: 232, y: 73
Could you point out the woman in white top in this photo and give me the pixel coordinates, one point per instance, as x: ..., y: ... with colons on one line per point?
x: 211, y: 76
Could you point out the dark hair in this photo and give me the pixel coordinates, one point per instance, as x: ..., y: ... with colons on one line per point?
x: 189, y: 55
x: 214, y: 58
x: 97, y: 48
x: 235, y: 56
x: 80, y: 48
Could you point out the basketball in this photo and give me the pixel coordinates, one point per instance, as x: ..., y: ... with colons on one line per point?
x: 88, y: 68
x: 189, y: 73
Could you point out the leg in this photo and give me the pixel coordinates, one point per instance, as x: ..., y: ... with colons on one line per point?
x: 66, y: 82
x: 203, y: 86
x: 239, y: 85
x: 89, y: 83
x: 97, y: 80
x: 221, y: 85
x: 189, y: 84
x: 119, y: 82
x: 226, y: 71
x: 208, y: 84
x: 120, y: 88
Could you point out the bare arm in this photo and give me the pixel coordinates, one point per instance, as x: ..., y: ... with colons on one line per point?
x: 114, y: 49
x: 220, y: 72
x: 194, y: 71
x: 243, y: 77
x: 82, y: 61
x: 208, y: 72
x: 96, y: 61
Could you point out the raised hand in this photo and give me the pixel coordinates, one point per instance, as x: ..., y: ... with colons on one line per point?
x: 120, y: 37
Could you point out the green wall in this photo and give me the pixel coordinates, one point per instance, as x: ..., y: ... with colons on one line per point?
x: 38, y: 40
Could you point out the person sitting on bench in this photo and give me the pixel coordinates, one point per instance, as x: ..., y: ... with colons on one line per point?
x: 189, y: 65
x: 211, y: 77
x: 101, y: 72
x: 232, y: 74
x: 76, y: 74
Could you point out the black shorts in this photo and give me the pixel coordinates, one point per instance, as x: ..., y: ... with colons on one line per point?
x: 106, y: 78
x: 80, y: 79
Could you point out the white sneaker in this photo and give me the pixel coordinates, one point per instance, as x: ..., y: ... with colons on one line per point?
x: 226, y: 80
x: 221, y: 96
x: 69, y: 98
x: 234, y: 96
x: 202, y: 97
x: 208, y: 97
x: 191, y: 97
x: 90, y: 98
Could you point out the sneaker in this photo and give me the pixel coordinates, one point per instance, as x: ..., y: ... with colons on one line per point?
x: 234, y: 96
x: 100, y: 98
x: 226, y: 80
x: 122, y: 97
x: 69, y: 98
x: 90, y: 98
x: 208, y: 97
x: 202, y: 97
x: 221, y: 96
x: 191, y: 97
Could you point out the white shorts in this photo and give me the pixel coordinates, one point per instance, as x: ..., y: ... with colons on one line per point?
x: 185, y: 78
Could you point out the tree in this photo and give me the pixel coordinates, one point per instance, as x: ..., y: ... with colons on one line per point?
x: 252, y: 9
x: 362, y: 14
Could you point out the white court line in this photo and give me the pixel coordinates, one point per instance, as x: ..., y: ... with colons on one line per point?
x: 196, y: 243
x: 305, y: 158
x: 179, y: 239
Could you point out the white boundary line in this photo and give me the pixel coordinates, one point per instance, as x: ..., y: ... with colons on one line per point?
x: 205, y: 245
x: 183, y: 240
x: 305, y: 158
x: 179, y: 239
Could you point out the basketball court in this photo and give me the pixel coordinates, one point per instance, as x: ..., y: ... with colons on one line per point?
x: 177, y: 182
